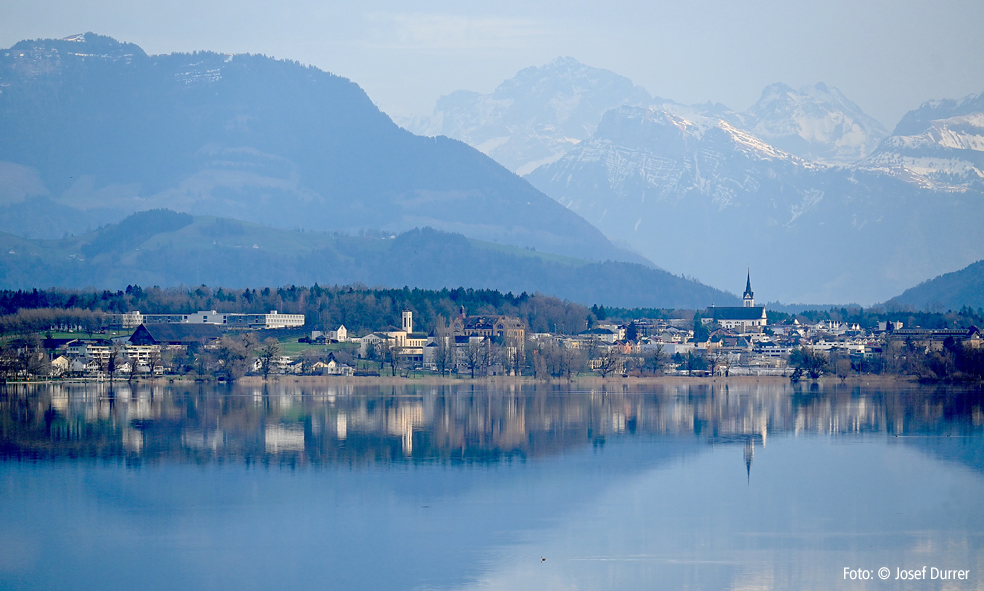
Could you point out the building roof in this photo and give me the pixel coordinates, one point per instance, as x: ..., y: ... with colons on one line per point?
x: 736, y: 313
x: 489, y: 322
x: 174, y: 334
x: 57, y: 343
x: 748, y: 287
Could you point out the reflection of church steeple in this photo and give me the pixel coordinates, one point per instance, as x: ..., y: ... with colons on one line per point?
x: 749, y: 454
x: 748, y: 298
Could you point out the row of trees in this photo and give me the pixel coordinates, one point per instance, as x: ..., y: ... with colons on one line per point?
x: 357, y: 307
x: 952, y: 361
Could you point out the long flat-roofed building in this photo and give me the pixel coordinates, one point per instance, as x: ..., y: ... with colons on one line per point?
x: 233, y: 320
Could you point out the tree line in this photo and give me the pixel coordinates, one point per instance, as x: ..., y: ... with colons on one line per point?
x: 358, y: 307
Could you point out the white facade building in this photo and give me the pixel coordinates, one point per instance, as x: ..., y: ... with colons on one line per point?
x: 257, y: 321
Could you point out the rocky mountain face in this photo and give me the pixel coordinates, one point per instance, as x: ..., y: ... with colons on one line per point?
x: 92, y: 130
x: 938, y: 146
x: 535, y: 117
x: 815, y: 123
x: 703, y: 197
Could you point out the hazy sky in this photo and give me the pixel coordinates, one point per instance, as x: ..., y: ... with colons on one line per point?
x: 886, y: 55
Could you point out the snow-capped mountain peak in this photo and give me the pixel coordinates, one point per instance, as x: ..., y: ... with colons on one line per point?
x: 534, y: 117
x: 945, y: 153
x: 815, y: 122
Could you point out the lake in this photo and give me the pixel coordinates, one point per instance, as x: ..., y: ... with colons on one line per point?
x: 699, y: 485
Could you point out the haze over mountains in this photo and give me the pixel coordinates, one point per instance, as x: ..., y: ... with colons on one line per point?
x: 161, y: 247
x: 535, y: 117
x: 804, y: 187
x: 93, y: 129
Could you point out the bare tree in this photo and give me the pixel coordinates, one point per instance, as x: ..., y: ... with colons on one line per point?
x: 694, y: 362
x: 10, y: 363
x: 153, y: 360
x: 571, y: 361
x: 444, y: 356
x: 490, y: 356
x: 233, y: 356
x: 392, y: 356
x: 112, y: 363
x: 610, y: 361
x: 202, y: 362
x: 37, y: 362
x: 809, y: 361
x: 474, y: 356
x: 538, y: 361
x: 656, y: 360
x: 269, y: 355
x: 720, y: 363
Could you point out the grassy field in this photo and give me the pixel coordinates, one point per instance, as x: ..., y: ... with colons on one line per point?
x: 109, y: 334
x: 292, y: 347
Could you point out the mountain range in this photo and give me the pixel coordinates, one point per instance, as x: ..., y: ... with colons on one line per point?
x: 798, y: 187
x: 162, y: 247
x: 533, y: 118
x: 92, y: 130
x: 939, y: 146
x: 817, y: 197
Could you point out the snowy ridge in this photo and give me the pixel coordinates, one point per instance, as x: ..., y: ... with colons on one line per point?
x: 699, y: 190
x: 533, y: 118
x: 815, y: 122
x: 649, y: 152
x: 948, y: 155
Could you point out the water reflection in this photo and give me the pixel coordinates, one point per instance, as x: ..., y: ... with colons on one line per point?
x: 699, y: 486
x: 359, y: 425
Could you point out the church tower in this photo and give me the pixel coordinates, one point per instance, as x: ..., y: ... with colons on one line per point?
x: 748, y: 298
x: 407, y: 321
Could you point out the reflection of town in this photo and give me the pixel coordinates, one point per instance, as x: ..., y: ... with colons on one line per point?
x: 357, y: 425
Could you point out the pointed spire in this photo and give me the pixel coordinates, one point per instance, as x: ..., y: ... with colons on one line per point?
x: 748, y: 298
x: 749, y: 454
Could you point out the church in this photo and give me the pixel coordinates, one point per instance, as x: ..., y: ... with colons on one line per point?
x: 746, y: 318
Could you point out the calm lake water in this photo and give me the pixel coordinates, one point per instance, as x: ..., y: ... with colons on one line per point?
x: 706, y: 486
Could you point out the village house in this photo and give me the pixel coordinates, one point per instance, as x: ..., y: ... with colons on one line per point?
x: 502, y: 328
x: 599, y: 335
x: 332, y: 367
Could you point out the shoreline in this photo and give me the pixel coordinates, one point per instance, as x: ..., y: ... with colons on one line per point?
x: 429, y: 380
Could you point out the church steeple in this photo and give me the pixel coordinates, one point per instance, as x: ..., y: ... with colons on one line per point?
x: 749, y: 455
x: 748, y: 298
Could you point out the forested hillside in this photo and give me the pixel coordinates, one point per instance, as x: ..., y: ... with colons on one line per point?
x: 161, y: 247
x: 358, y: 308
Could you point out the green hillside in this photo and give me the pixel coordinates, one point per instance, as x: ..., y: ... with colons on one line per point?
x: 948, y: 291
x: 165, y: 248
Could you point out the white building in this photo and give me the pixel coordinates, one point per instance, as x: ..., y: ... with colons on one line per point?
x: 257, y: 321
